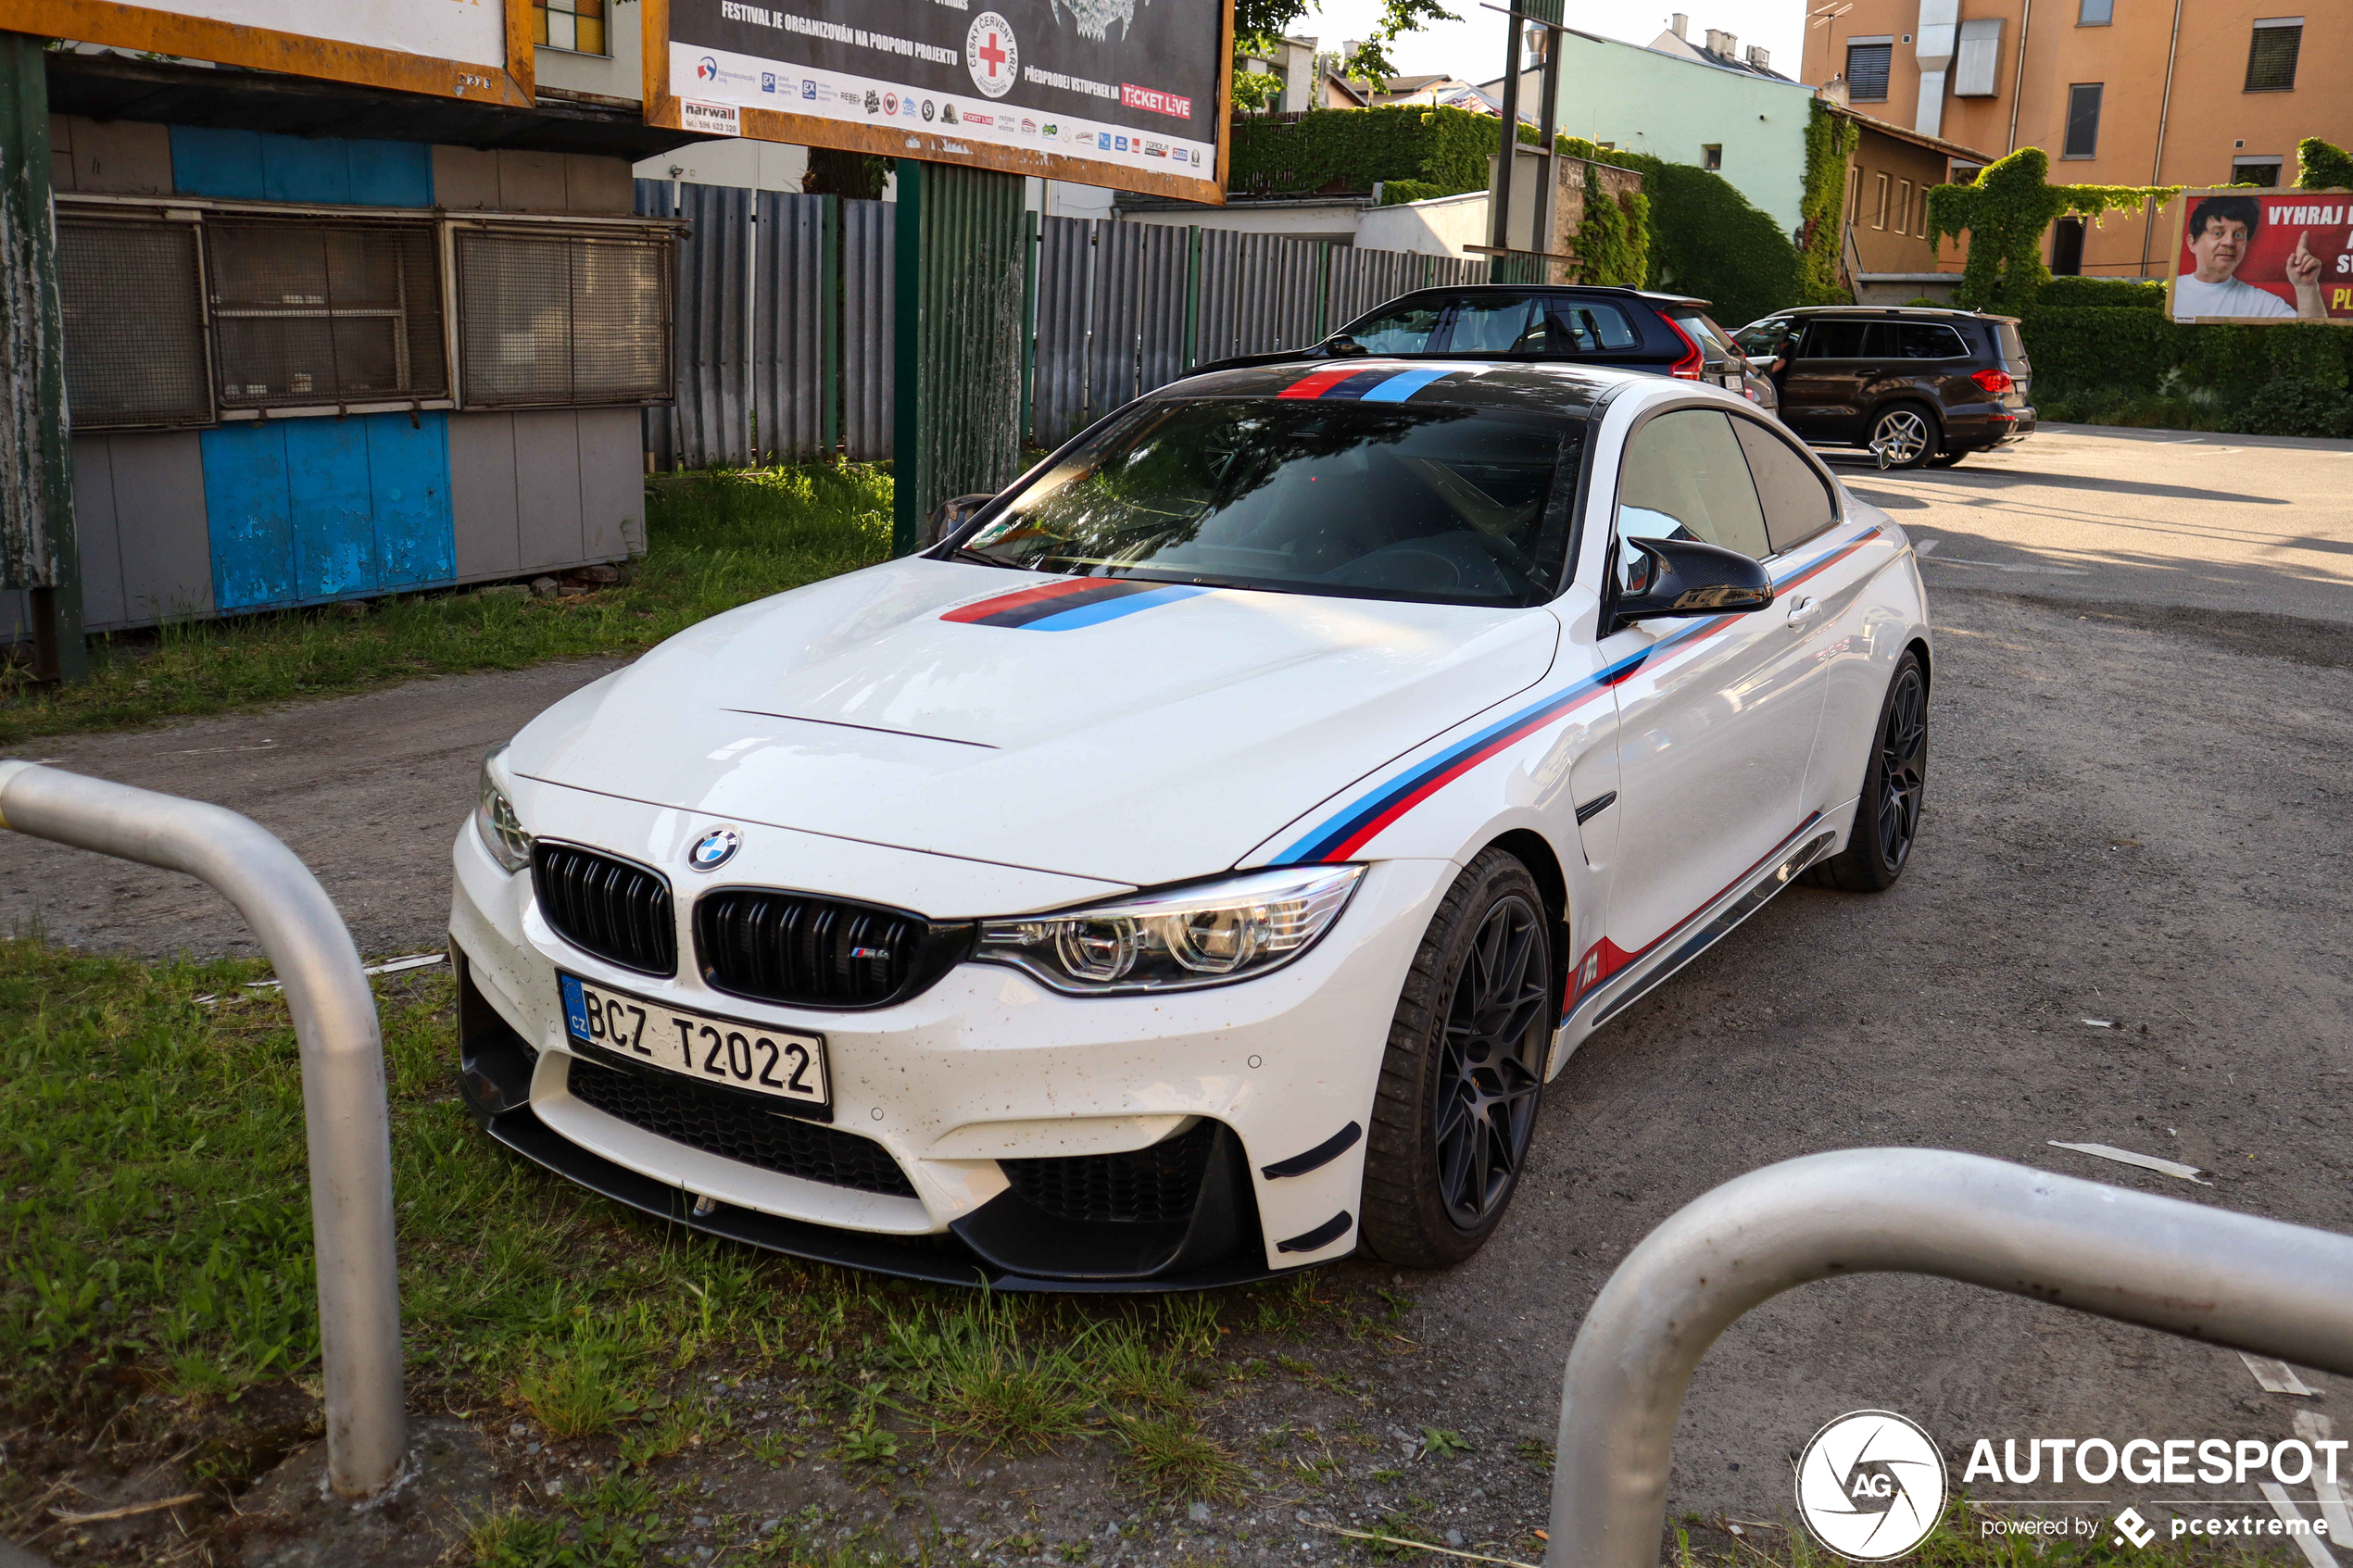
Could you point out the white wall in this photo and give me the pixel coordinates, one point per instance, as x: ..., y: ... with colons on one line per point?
x: 1441, y: 226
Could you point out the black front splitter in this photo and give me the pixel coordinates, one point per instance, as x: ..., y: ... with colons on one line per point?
x: 936, y: 1259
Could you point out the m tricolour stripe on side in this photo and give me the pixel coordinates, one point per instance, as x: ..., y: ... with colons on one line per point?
x: 1355, y: 826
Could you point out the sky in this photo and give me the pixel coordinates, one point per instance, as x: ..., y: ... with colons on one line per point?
x: 1473, y: 48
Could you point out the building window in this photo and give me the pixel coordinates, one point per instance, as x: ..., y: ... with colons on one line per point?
x: 2082, y: 120
x: 562, y: 320
x: 309, y: 311
x: 1879, y: 207
x: 2264, y: 171
x: 1866, y: 68
x: 2095, y: 13
x: 134, y: 298
x: 577, y: 25
x: 1712, y: 156
x: 1903, y: 205
x: 2067, y: 247
x: 2271, y: 55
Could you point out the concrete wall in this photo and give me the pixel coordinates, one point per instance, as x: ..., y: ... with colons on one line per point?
x: 1671, y: 108
x: 1441, y: 226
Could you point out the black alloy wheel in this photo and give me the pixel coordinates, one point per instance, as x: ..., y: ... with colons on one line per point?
x: 1903, y: 767
x: 1887, y: 816
x: 1491, y: 1064
x: 1460, y: 1085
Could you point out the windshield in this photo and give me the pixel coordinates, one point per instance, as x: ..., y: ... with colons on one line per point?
x: 1360, y: 500
x: 1491, y: 324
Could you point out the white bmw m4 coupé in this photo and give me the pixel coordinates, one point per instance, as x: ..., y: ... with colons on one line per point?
x: 1193, y: 866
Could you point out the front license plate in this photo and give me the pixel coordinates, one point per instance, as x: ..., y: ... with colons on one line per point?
x: 784, y: 1063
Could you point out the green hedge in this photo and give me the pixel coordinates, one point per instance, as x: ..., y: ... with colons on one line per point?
x: 2103, y: 352
x: 2102, y: 291
x: 1445, y: 149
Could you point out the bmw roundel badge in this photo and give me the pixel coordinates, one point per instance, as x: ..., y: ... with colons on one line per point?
x: 714, y: 849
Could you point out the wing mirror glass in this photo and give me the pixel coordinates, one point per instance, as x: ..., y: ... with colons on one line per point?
x: 1688, y: 577
x: 1341, y: 346
x: 952, y: 514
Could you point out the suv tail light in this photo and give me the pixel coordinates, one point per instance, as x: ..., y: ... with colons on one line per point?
x: 1995, y: 382
x: 1692, y: 366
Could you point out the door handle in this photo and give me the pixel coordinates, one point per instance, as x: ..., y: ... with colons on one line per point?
x: 1801, y: 611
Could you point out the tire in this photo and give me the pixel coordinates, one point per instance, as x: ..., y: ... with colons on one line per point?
x: 1909, y: 432
x: 1456, y: 1111
x: 1887, y: 817
x: 1946, y: 459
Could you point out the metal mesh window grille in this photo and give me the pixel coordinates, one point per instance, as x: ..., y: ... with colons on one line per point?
x: 133, y: 297
x: 2270, y: 57
x: 562, y: 320
x: 310, y: 311
x: 577, y: 25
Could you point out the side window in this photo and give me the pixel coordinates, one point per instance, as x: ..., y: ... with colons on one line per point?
x: 1684, y: 478
x: 1584, y: 326
x: 1764, y: 340
x: 1404, y: 331
x: 1929, y: 340
x: 1486, y: 327
x: 1797, y: 504
x: 1836, y: 338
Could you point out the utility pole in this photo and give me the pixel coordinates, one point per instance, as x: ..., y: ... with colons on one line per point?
x: 1531, y: 263
x: 38, y: 550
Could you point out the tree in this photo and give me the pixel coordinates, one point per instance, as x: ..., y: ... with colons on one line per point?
x: 2005, y: 213
x: 2322, y: 166
x: 1257, y: 23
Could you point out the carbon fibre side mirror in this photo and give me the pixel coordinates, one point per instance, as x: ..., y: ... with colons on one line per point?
x: 1688, y: 577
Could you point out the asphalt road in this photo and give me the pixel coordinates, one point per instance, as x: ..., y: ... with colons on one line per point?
x: 2138, y: 811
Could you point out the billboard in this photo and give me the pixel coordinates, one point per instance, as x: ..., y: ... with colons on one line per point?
x: 2263, y: 256
x: 1129, y: 93
x: 472, y: 49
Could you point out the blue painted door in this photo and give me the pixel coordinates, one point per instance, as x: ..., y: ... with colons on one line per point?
x: 309, y: 509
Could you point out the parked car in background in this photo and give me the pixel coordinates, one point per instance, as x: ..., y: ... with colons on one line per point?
x: 1669, y: 335
x: 1919, y: 386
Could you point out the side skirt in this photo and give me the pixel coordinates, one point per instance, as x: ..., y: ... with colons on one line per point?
x: 1624, y: 991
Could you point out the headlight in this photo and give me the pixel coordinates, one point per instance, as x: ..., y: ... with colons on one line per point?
x: 495, y: 819
x: 1211, y: 934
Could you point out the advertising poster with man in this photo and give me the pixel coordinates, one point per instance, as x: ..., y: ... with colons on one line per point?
x: 2264, y: 255
x: 1125, y: 93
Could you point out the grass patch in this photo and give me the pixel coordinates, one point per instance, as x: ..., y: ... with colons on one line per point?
x: 714, y: 541
x: 1169, y: 1456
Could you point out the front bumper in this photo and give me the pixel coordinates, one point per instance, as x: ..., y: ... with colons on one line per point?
x: 984, y: 1066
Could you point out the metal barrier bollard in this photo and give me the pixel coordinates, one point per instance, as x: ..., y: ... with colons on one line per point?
x: 344, y: 1117
x: 2228, y: 1279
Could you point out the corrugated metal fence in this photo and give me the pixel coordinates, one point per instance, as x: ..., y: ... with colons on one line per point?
x: 785, y: 316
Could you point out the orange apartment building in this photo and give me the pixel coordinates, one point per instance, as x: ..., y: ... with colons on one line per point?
x: 2118, y: 92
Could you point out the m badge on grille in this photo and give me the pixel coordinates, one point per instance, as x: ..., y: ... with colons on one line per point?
x: 714, y: 849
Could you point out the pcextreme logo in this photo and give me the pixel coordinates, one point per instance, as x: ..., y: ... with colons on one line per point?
x: 1870, y: 1486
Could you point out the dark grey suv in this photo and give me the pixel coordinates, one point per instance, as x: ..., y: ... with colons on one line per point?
x: 1916, y: 386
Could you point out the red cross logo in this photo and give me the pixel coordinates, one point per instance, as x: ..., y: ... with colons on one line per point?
x: 993, y: 55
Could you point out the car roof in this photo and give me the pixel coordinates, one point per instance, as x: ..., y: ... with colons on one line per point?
x: 1570, y: 290
x: 1919, y: 312
x: 1548, y: 386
